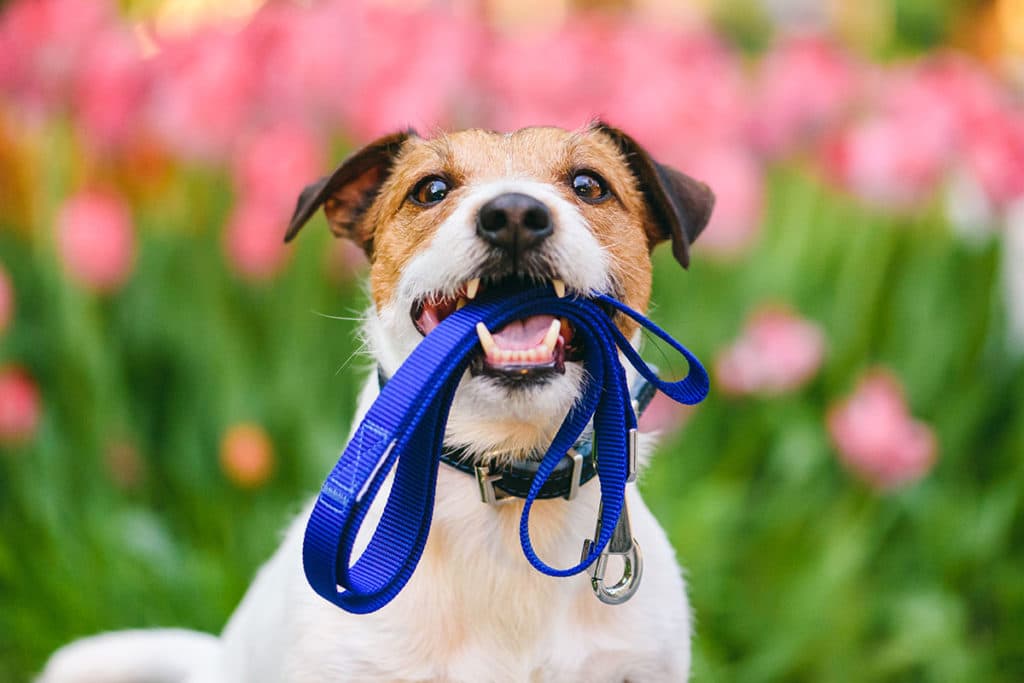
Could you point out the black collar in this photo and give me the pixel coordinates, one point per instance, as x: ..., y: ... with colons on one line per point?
x: 573, y: 471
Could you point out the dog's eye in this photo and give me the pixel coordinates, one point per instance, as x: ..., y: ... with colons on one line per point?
x: 589, y: 187
x: 429, y: 191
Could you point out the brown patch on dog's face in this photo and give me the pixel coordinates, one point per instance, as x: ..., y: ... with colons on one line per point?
x: 547, y: 155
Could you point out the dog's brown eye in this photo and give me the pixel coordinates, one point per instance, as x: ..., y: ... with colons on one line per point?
x: 429, y: 191
x: 589, y: 187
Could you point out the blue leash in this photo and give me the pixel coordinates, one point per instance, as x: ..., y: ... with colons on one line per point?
x: 404, y: 431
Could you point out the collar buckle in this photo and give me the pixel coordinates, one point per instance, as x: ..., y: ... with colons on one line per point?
x: 491, y: 495
x: 485, y: 481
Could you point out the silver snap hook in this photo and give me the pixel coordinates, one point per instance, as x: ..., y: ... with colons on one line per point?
x: 624, y: 545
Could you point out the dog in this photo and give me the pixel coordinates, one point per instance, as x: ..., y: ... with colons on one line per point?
x: 441, y: 220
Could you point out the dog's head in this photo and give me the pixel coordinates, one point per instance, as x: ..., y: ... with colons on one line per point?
x: 445, y: 218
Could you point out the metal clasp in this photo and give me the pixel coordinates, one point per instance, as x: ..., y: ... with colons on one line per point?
x: 623, y: 544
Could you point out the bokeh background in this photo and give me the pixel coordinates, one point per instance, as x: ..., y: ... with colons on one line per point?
x: 174, y: 381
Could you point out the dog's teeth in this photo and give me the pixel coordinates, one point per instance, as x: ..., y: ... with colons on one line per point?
x: 460, y: 303
x: 552, y: 336
x: 486, y: 340
x: 472, y: 287
x: 559, y: 288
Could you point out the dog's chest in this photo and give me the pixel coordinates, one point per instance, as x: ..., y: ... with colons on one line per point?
x: 490, y: 615
x: 476, y: 611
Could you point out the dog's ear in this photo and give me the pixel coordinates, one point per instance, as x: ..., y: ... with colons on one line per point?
x: 347, y: 193
x: 679, y: 204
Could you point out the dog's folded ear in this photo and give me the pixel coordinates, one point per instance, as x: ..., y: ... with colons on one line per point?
x: 679, y: 204
x: 349, y: 191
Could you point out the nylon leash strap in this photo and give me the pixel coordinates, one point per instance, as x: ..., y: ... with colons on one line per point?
x: 404, y: 431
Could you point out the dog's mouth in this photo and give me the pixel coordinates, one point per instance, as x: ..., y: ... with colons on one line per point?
x: 528, y: 350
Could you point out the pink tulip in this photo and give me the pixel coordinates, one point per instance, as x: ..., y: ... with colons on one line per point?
x: 892, y: 162
x: 995, y: 156
x: 281, y: 33
x: 672, y: 90
x: 275, y: 164
x: 203, y: 96
x: 737, y: 179
x: 947, y: 93
x: 110, y: 88
x: 19, y: 407
x: 664, y: 416
x: 876, y: 437
x: 41, y: 43
x: 247, y: 455
x: 6, y: 300
x: 521, y: 88
x: 805, y: 84
x: 680, y: 94
x: 254, y: 239
x: 96, y: 240
x: 925, y: 117
x: 777, y: 352
x: 414, y: 65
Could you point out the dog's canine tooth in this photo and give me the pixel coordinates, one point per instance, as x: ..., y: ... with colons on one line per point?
x: 460, y: 303
x: 472, y: 287
x: 559, y: 288
x: 486, y: 340
x: 552, y: 336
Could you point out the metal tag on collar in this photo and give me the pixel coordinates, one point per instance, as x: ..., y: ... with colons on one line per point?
x: 624, y: 545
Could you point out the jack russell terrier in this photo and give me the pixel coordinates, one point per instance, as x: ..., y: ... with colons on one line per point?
x: 441, y: 219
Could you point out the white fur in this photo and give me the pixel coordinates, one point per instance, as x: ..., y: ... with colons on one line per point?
x: 157, y: 656
x: 474, y: 611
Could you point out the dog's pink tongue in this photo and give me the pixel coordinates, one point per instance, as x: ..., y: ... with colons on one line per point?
x: 520, y: 335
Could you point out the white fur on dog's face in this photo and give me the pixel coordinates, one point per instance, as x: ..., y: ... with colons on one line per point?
x: 592, y: 249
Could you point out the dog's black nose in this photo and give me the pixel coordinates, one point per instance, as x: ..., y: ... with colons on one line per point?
x: 514, y: 222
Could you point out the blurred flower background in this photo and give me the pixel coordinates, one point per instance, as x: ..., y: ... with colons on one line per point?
x: 174, y: 381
